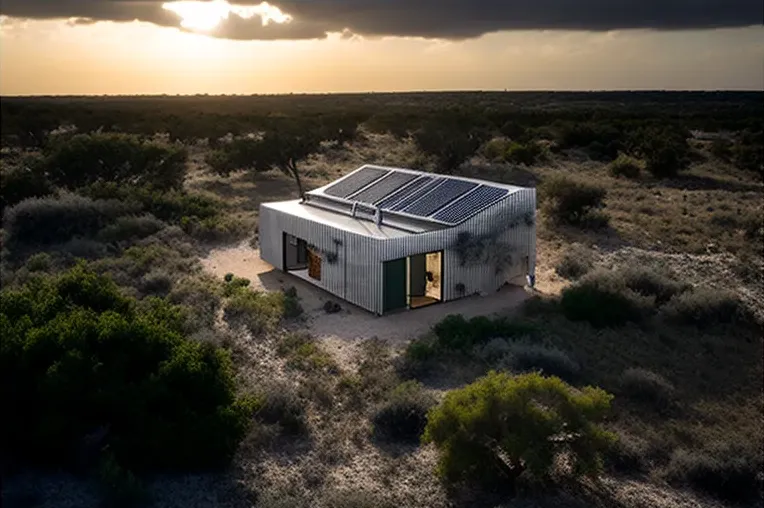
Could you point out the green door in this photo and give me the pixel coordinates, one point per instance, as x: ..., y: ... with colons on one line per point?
x: 394, y: 284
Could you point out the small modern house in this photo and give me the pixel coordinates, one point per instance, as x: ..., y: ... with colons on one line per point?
x: 390, y: 238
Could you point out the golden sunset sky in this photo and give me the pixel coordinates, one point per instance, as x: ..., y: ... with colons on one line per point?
x: 146, y: 47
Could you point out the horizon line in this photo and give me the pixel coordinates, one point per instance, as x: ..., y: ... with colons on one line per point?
x: 434, y: 91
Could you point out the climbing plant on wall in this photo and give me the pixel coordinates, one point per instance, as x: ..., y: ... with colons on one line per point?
x: 488, y: 248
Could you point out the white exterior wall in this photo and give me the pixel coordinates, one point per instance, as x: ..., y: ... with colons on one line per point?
x: 357, y: 274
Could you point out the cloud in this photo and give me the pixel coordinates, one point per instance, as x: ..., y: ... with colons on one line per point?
x: 445, y: 19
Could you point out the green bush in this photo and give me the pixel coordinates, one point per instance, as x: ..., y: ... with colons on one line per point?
x: 706, y: 307
x: 77, y: 356
x: 126, y: 229
x: 519, y: 153
x: 652, y: 283
x: 628, y: 455
x: 575, y: 263
x: 302, y: 352
x: 549, y: 361
x: 455, y: 332
x: 626, y: 166
x: 603, y: 299
x: 495, y: 149
x: 502, y: 427
x: 730, y: 474
x: 403, y: 416
x: 665, y: 153
x: 39, y: 262
x: 280, y: 405
x: 119, y: 487
x: 261, y: 312
x: 570, y: 201
x: 647, y: 387
x: 45, y: 221
x: 20, y: 183
x: 117, y: 158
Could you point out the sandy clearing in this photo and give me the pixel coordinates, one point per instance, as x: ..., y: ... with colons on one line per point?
x: 353, y: 324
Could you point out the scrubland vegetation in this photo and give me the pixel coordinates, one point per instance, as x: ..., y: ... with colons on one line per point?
x: 123, y: 361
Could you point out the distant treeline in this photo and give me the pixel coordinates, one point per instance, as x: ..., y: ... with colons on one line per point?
x: 27, y: 121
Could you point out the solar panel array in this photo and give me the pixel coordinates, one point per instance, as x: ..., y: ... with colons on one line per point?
x: 383, y: 187
x: 470, y: 204
x: 448, y: 200
x: 439, y: 197
x: 355, y: 182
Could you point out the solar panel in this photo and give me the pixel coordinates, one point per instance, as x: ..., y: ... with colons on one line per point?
x: 355, y: 182
x: 412, y: 197
x: 383, y: 187
x: 469, y: 205
x: 402, y: 193
x: 439, y: 197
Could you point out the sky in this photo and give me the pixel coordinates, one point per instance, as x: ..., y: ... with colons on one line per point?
x: 95, y: 47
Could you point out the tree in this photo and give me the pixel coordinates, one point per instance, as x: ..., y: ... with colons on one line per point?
x: 502, y: 427
x: 283, y: 148
x: 449, y: 143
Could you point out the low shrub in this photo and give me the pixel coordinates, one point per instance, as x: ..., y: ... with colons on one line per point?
x: 280, y: 405
x: 519, y: 153
x: 455, y: 332
x: 126, y: 229
x: 403, y: 416
x: 732, y: 475
x: 214, y: 229
x: 625, y: 166
x: 575, y: 263
x: 20, y: 183
x: 647, y: 387
x: 628, y: 455
x: 495, y: 149
x: 706, y: 307
x: 549, y: 361
x: 119, y: 487
x: 571, y: 201
x: 201, y: 295
x: 77, y: 355
x: 156, y: 282
x: 45, y: 221
x: 302, y: 352
x: 502, y: 427
x: 651, y: 283
x: 602, y: 299
x: 260, y: 312
x: 119, y: 158
x: 40, y: 262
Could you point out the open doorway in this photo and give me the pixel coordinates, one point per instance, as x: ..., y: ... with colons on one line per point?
x: 300, y: 259
x: 425, y: 276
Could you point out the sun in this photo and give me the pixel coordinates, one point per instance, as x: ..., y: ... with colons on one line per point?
x: 205, y: 16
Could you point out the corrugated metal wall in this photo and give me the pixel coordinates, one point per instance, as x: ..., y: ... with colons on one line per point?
x: 357, y: 274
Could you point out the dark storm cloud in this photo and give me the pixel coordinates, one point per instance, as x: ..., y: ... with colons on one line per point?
x: 451, y: 19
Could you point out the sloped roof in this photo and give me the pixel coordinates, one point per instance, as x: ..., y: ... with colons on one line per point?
x: 420, y: 200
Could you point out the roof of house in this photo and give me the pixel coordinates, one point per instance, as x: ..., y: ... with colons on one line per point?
x: 397, y: 201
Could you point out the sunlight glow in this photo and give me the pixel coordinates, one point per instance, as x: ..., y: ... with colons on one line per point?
x: 205, y: 16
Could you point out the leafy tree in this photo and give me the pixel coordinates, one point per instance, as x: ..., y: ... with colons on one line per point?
x: 502, y: 427
x: 449, y: 143
x: 665, y: 151
x: 282, y: 148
